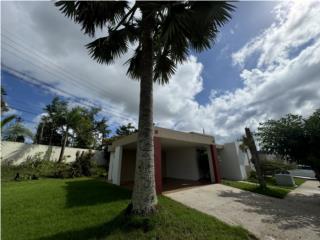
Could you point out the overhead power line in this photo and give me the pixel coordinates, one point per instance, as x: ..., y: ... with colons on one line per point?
x: 70, y: 76
x: 41, y: 84
x: 25, y: 111
x: 66, y: 75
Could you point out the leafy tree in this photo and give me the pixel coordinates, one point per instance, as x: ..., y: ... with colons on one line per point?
x: 294, y: 138
x: 162, y: 35
x: 87, y: 132
x: 283, y: 137
x: 47, y: 133
x: 125, y: 130
x: 312, y: 131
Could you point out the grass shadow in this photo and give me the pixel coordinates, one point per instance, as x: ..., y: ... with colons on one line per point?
x: 89, y: 192
x: 120, y: 225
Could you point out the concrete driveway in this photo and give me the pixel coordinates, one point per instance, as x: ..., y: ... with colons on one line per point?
x: 295, y: 217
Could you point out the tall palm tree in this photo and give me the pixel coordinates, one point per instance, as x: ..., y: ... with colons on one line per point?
x: 163, y: 32
x: 71, y: 120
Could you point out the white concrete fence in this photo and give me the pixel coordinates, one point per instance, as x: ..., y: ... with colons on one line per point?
x: 18, y: 152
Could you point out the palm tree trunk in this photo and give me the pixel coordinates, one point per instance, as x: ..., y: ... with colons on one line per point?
x: 64, y: 143
x: 255, y: 158
x: 41, y: 133
x: 144, y: 196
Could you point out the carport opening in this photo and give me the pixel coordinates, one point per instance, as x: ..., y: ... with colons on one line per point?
x: 182, y: 165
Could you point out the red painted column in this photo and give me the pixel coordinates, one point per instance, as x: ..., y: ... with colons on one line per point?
x: 215, y: 163
x: 157, y: 164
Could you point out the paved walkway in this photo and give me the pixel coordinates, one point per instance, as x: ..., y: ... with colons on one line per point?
x: 295, y: 217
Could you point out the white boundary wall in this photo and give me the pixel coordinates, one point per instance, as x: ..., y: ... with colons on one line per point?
x: 18, y: 152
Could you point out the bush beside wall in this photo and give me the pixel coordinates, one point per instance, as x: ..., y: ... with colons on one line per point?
x: 38, y: 166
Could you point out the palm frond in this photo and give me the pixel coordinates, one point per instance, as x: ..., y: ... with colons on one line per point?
x: 107, y: 49
x: 164, y: 68
x: 6, y: 120
x: 206, y: 19
x: 93, y: 14
x: 134, y: 69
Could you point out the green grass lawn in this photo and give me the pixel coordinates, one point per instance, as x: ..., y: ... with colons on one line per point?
x: 272, y: 190
x: 91, y: 209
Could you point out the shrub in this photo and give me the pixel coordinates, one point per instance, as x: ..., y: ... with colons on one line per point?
x: 35, y: 167
x: 252, y: 175
x: 32, y: 168
x: 61, y: 170
x: 84, y: 164
x: 274, y: 167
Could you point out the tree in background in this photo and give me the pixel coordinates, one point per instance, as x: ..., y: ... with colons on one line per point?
x: 70, y: 120
x: 16, y: 132
x: 55, y: 112
x: 84, y: 131
x: 125, y: 130
x: 5, y: 108
x: 312, y: 131
x: 162, y: 35
x: 90, y: 131
x: 294, y: 138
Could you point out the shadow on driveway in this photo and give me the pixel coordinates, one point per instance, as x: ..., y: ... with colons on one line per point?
x: 291, y: 213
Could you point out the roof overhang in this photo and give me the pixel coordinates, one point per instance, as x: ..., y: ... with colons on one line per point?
x: 168, y: 136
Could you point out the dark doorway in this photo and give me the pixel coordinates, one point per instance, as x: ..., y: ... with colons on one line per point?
x: 203, y: 163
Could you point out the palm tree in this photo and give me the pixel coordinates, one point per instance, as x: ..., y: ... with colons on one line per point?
x: 16, y: 131
x: 71, y: 119
x: 162, y: 32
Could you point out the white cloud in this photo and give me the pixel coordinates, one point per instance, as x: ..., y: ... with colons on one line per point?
x: 297, y: 24
x: 284, y: 79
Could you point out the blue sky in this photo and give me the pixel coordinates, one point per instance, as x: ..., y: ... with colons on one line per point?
x: 247, y: 21
x: 220, y: 90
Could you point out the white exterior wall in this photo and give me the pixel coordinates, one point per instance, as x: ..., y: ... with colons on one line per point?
x: 111, y: 166
x: 233, y: 162
x: 181, y: 163
x: 19, y: 152
x: 116, y: 165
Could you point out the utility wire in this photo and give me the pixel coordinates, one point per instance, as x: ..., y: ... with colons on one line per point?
x: 39, y: 83
x: 25, y: 111
x: 114, y: 113
x: 46, y: 59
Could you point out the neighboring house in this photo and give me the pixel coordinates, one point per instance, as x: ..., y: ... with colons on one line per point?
x: 181, y: 159
x: 234, y: 163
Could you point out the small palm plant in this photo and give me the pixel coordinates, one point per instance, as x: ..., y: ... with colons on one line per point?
x: 162, y: 33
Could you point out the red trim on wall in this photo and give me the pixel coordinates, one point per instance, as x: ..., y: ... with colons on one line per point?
x: 215, y: 163
x: 157, y: 164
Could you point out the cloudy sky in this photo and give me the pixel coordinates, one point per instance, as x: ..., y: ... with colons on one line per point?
x: 265, y: 63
